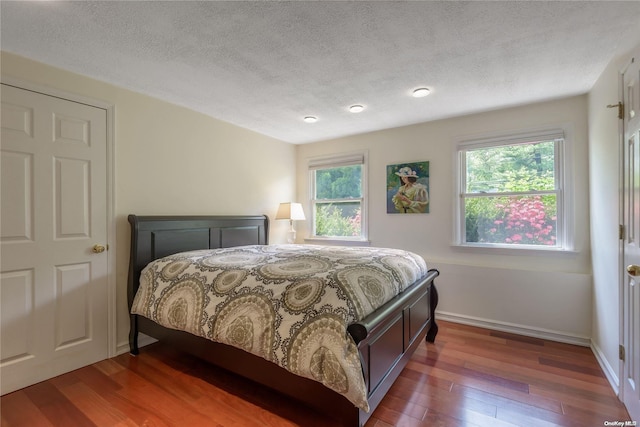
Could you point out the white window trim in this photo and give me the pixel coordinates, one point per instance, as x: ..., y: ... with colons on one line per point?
x: 564, y: 184
x: 346, y: 159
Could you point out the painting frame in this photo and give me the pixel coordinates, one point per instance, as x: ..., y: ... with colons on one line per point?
x: 408, y: 188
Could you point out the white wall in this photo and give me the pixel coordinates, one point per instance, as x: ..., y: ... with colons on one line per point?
x: 202, y: 167
x: 542, y: 295
x: 171, y: 160
x: 604, y: 154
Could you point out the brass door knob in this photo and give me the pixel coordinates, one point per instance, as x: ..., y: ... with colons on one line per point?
x: 98, y: 249
x: 633, y: 270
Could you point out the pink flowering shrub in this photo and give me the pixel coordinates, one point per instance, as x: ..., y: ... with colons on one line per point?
x: 356, y: 223
x: 518, y: 220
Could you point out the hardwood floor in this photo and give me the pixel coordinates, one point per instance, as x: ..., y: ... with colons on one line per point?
x: 469, y: 377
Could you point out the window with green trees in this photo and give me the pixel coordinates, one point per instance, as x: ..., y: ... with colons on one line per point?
x: 337, y: 198
x: 511, y: 192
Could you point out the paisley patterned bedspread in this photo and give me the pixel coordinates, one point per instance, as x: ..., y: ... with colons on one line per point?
x: 290, y: 304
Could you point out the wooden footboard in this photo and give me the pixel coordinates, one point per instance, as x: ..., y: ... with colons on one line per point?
x: 386, y: 338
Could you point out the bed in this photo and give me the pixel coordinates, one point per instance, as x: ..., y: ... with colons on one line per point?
x: 384, y: 339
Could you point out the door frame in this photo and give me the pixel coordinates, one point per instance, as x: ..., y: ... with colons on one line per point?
x: 622, y: 188
x: 110, y: 181
x: 623, y: 154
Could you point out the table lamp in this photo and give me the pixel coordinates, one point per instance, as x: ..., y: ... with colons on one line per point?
x: 292, y: 212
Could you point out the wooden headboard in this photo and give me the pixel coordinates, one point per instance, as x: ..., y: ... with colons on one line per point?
x: 154, y: 237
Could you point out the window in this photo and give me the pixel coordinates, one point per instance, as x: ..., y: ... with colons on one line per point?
x: 338, y: 188
x: 512, y: 192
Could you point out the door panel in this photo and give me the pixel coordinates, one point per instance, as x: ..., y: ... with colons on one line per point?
x: 17, y: 314
x: 17, y: 186
x: 53, y: 287
x: 71, y: 198
x: 72, y: 321
x: 630, y: 387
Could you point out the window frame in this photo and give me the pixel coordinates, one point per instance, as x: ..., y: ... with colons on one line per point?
x: 565, y: 233
x: 330, y: 162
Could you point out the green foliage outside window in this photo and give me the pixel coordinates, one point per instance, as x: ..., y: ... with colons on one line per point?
x: 510, y: 168
x: 337, y: 201
x: 510, y: 194
x: 338, y: 221
x: 339, y: 183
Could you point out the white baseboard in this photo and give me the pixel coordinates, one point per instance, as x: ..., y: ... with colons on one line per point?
x: 515, y: 329
x: 142, y: 341
x: 608, y: 370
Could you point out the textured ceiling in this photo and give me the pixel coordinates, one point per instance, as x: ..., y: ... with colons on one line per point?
x: 265, y: 65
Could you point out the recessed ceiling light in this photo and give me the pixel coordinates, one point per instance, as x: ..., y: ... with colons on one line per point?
x: 420, y: 92
x: 310, y: 119
x: 356, y: 108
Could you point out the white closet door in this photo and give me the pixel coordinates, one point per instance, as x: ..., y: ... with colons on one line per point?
x: 53, y: 284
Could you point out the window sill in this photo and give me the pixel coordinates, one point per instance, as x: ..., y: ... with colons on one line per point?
x: 337, y: 241
x: 514, y: 250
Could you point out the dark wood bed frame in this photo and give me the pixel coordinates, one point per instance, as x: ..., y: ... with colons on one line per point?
x: 386, y: 338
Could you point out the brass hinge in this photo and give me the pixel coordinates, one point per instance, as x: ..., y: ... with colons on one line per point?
x: 620, y: 107
x: 621, y: 231
x: 621, y: 352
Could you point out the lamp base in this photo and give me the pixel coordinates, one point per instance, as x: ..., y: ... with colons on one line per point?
x: 291, y: 234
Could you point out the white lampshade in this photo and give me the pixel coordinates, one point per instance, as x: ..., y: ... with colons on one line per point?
x: 291, y: 211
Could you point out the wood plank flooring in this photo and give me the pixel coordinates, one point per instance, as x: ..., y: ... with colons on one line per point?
x: 469, y: 377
